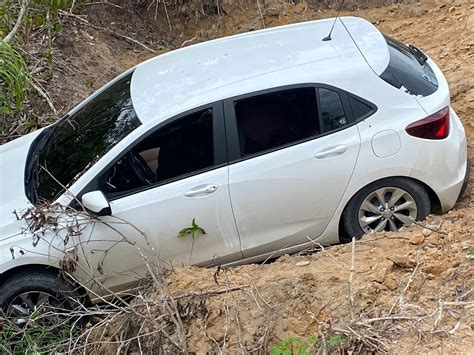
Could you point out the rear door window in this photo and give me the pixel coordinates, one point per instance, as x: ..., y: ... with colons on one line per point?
x: 408, y: 70
x: 267, y: 121
x: 332, y: 111
x: 276, y: 119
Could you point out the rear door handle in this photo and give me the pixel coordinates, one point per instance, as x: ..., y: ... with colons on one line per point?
x: 201, y: 190
x: 330, y: 152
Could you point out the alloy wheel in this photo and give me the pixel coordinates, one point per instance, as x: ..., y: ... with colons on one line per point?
x: 34, y: 304
x: 387, y: 209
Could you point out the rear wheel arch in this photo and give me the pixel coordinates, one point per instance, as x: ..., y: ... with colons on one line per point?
x: 435, y: 204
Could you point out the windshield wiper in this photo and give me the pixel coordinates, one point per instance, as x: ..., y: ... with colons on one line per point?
x: 419, y: 55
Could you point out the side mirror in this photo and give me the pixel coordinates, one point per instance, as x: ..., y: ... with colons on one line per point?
x: 96, y: 203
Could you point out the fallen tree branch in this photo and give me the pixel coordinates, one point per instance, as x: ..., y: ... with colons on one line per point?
x: 380, y: 319
x: 399, y: 301
x: 167, y: 16
x: 45, y: 96
x: 19, y: 20
x: 427, y: 227
x: 261, y: 14
x: 64, y: 13
x: 211, y: 292
x: 351, y: 279
x: 188, y: 41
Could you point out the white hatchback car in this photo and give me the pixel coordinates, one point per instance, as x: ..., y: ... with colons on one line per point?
x: 269, y: 140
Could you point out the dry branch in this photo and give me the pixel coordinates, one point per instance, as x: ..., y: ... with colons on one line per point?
x: 45, y: 96
x: 24, y: 6
x: 351, y: 279
x: 427, y: 227
x: 211, y: 292
x: 323, y: 250
x: 64, y: 13
x: 261, y: 14
x: 399, y: 301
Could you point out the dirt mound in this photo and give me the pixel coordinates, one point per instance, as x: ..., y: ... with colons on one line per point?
x: 400, y: 282
x: 404, y: 292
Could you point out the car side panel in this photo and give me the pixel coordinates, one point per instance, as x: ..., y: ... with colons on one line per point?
x: 394, y: 113
x: 149, y: 222
x: 283, y: 197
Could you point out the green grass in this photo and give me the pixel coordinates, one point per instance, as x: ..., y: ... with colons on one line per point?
x: 35, y: 337
x: 14, y: 79
x: 293, y: 346
x: 299, y: 346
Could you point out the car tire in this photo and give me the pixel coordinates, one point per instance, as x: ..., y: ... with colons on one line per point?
x: 36, y: 283
x: 355, y: 215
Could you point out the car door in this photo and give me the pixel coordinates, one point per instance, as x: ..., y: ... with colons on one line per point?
x: 292, y: 152
x: 184, y: 178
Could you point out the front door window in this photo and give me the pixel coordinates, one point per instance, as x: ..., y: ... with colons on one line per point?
x: 181, y: 148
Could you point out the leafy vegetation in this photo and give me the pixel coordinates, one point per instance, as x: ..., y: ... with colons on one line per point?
x: 45, y: 15
x: 470, y: 253
x: 35, y: 337
x: 195, y: 230
x: 14, y: 79
x: 338, y: 341
x: 41, y: 15
x: 299, y: 346
x: 293, y: 346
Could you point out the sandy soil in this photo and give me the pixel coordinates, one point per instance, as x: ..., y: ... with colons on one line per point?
x: 305, y: 295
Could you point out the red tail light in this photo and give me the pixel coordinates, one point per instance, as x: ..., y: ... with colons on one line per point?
x: 435, y: 126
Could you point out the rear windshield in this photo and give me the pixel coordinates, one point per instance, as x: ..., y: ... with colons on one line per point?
x: 408, y: 70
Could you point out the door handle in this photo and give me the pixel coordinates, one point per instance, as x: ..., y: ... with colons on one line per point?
x: 337, y: 150
x: 200, y: 190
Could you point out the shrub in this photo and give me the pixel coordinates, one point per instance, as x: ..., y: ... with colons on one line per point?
x: 14, y: 79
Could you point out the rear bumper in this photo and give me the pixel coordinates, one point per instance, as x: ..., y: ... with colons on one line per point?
x: 443, y: 165
x: 466, y: 179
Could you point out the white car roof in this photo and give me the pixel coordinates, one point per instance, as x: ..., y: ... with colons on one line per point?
x: 207, y: 72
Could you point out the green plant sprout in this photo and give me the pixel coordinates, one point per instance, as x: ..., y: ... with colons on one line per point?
x: 293, y: 346
x: 337, y: 341
x: 470, y: 253
x: 298, y: 346
x: 195, y: 230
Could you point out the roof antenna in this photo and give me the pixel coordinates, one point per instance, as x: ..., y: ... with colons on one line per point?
x: 328, y: 37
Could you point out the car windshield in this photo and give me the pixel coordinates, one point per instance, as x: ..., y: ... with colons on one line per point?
x: 64, y: 151
x: 408, y: 70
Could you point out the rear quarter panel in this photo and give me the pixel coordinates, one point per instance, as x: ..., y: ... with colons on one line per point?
x: 395, y: 110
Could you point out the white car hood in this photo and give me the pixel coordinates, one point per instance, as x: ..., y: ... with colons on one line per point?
x: 12, y: 178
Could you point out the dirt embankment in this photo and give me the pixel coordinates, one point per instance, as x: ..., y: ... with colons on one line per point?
x: 412, y: 290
